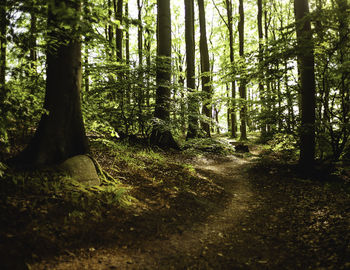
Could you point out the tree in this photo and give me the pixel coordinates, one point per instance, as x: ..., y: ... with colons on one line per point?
x: 205, y: 70
x: 139, y: 31
x: 190, y: 72
x: 118, y: 10
x: 161, y: 134
x: 3, y: 46
x: 261, y: 59
x: 232, y: 59
x: 242, y: 85
x: 307, y: 83
x: 60, y: 133
x: 127, y: 35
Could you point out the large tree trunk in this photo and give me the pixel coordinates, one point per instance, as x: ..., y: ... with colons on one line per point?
x: 242, y: 85
x: 161, y: 134
x: 205, y: 70
x: 61, y: 132
x: 190, y: 72
x: 307, y: 83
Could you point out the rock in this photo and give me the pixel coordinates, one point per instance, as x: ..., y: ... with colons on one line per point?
x: 242, y: 148
x: 82, y: 169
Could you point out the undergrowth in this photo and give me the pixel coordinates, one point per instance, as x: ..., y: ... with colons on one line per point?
x: 208, y: 145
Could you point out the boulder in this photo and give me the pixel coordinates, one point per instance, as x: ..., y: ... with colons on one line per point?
x: 82, y: 169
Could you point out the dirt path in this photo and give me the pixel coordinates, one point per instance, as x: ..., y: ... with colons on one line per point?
x: 261, y: 226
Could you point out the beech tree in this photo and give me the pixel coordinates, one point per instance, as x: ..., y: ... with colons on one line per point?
x: 229, y: 25
x: 205, y: 70
x: 61, y: 132
x: 143, y: 91
x: 118, y: 11
x: 161, y: 134
x: 307, y: 83
x: 242, y: 83
x: 190, y: 72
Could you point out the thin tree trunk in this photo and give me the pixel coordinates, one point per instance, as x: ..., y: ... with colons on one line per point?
x: 233, y: 117
x: 261, y: 68
x: 190, y: 71
x: 110, y: 27
x: 242, y: 86
x: 127, y: 35
x: 148, y: 64
x: 268, y: 96
x: 205, y: 69
x: 307, y: 83
x: 3, y: 48
x: 119, y: 32
x: 139, y: 32
x: 33, y: 31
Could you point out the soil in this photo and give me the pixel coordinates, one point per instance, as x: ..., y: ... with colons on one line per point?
x: 240, y: 214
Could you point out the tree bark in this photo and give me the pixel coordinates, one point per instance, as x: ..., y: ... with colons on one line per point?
x: 192, y: 131
x: 205, y: 70
x: 33, y: 32
x: 261, y: 69
x: 127, y: 35
x: 110, y: 27
x: 119, y: 32
x: 233, y: 117
x: 3, y: 47
x: 61, y: 132
x: 140, y: 32
x: 242, y: 86
x: 307, y: 83
x: 161, y: 134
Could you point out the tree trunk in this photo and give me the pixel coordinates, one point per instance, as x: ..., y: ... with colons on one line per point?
x: 86, y: 76
x: 119, y: 32
x: 61, y: 132
x: 205, y: 69
x: 110, y: 27
x: 3, y: 46
x: 33, y: 32
x: 127, y: 35
x: 307, y: 83
x: 261, y: 69
x: 232, y: 59
x: 190, y: 72
x: 161, y: 134
x: 139, y: 32
x: 242, y: 86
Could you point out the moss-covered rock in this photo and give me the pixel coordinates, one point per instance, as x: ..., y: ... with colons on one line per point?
x: 82, y: 169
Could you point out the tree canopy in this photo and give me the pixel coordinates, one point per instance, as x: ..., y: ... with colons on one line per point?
x: 259, y: 46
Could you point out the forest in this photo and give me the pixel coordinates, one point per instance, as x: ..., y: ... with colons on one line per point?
x: 159, y: 134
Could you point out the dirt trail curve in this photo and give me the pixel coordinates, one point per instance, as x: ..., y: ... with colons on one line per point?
x: 259, y: 228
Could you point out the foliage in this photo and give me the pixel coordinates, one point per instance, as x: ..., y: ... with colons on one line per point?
x: 284, y: 146
x: 207, y: 145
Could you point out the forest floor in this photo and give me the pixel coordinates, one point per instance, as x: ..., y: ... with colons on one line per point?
x: 238, y: 211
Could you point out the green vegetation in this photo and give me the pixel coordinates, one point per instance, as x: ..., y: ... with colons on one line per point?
x: 180, y: 105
